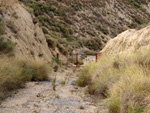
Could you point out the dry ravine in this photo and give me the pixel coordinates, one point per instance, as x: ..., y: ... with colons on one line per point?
x: 39, y: 97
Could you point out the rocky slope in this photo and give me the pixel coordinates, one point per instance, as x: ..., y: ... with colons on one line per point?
x: 129, y: 41
x: 18, y: 27
x: 88, y: 23
x: 67, y: 24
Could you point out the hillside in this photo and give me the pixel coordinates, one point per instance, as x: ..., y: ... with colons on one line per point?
x: 87, y: 23
x: 33, y: 31
x: 24, y: 52
x: 18, y: 33
x: 129, y: 41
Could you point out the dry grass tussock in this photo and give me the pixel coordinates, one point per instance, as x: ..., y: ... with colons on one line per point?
x: 15, y: 73
x: 124, y: 80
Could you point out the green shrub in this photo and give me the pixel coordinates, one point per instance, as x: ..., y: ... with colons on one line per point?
x: 138, y: 20
x: 58, y: 61
x: 54, y: 83
x: 63, y: 82
x: 93, y: 43
x: 2, y: 28
x: 61, y: 12
x: 32, y: 53
x: 6, y: 46
x: 132, y: 25
x: 39, y: 8
x: 136, y: 109
x: 104, y: 13
x: 61, y: 48
x: 85, y: 78
x: 105, y: 31
x: 45, y: 30
x: 137, y: 4
x: 114, y: 105
x: 37, y: 70
x: 45, y: 13
x: 44, y: 18
x: 11, y: 25
x: 89, y: 52
x: 52, y: 43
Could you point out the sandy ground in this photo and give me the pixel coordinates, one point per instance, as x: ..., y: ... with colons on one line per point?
x: 39, y: 97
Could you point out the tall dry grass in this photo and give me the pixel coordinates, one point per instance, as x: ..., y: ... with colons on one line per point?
x: 15, y: 73
x: 124, y: 80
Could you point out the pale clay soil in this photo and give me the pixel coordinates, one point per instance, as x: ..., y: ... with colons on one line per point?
x: 39, y: 97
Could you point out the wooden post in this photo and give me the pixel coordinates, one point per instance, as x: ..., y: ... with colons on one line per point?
x: 96, y: 57
x: 57, y: 56
x: 77, y: 60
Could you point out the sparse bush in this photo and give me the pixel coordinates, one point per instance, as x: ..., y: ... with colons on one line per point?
x: 81, y: 107
x: 124, y: 80
x: 12, y: 26
x: 104, y: 13
x: 54, y: 83
x: 15, y: 73
x: 105, y: 31
x: 44, y: 18
x: 68, y: 20
x: 52, y: 43
x: 57, y: 96
x: 114, y: 105
x: 85, y: 77
x: 71, y: 60
x: 6, y: 46
x: 93, y: 43
x: 135, y: 109
x: 138, y: 20
x: 45, y: 30
x: 32, y: 53
x: 137, y: 4
x: 89, y: 52
x: 58, y: 61
x: 132, y: 25
x: 2, y: 28
x: 39, y: 71
x: 61, y: 48
x: 39, y: 8
x: 84, y: 80
x: 63, y: 82
x: 61, y: 12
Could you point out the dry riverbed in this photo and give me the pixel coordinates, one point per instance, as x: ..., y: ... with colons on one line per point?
x: 39, y: 97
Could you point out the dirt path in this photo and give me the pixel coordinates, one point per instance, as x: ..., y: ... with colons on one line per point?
x: 39, y: 97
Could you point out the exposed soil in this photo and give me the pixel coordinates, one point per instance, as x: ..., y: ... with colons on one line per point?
x: 39, y: 97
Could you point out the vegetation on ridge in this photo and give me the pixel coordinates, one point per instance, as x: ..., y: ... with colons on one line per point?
x: 2, y: 28
x: 77, y: 23
x: 6, y: 46
x: 137, y: 4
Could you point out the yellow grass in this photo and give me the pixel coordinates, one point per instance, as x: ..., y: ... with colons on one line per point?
x: 123, y: 79
x: 15, y: 73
